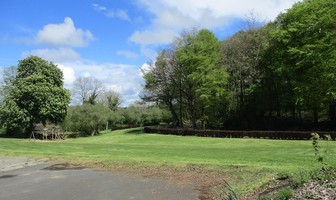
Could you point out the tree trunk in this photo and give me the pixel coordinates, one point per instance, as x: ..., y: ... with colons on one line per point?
x: 332, y: 111
x: 176, y: 120
x: 30, y: 128
x: 315, y: 115
x: 192, y: 117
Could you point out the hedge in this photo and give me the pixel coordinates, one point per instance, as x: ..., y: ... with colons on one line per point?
x: 288, y: 135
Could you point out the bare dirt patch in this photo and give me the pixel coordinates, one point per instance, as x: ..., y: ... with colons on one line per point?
x: 207, y: 183
x: 10, y: 163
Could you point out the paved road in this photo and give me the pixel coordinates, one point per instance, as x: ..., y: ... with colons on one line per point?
x: 28, y: 180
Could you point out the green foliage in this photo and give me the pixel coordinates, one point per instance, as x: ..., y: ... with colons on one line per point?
x: 284, y: 194
x: 110, y: 99
x: 141, y: 115
x: 163, y: 84
x: 12, y: 117
x: 225, y: 193
x: 189, y: 79
x: 36, y: 95
x: 320, y: 175
x: 259, y: 78
x: 242, y: 54
x: 87, y: 119
x: 321, y: 155
x: 267, y: 197
x: 305, y: 44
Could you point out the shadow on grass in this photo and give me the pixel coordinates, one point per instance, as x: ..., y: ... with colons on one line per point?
x: 135, y: 131
x: 3, y: 134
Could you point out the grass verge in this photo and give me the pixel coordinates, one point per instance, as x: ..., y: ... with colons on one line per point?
x: 246, y: 164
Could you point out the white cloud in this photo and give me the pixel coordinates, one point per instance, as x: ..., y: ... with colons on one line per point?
x: 145, y: 68
x: 118, y: 13
x: 125, y: 79
x: 64, y: 34
x: 86, y: 74
x: 149, y: 51
x: 153, y: 37
x: 128, y: 54
x: 172, y: 16
x: 98, y: 7
x: 68, y: 75
x: 54, y: 55
x: 220, y: 8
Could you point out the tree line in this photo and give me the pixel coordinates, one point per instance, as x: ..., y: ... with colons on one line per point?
x: 33, y: 94
x: 276, y: 76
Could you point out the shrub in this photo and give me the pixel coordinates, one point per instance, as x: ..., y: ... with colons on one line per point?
x: 86, y: 119
x: 284, y: 194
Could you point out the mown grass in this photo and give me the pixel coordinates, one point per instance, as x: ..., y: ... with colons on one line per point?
x: 249, y: 163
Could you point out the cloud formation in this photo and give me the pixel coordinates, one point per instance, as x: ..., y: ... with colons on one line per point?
x: 148, y: 37
x: 112, y: 13
x: 127, y: 54
x: 64, y: 37
x: 172, y: 16
x: 57, y: 55
x: 68, y: 75
x: 64, y: 34
x: 125, y: 79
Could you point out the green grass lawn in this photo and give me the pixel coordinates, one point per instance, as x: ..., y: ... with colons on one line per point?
x: 249, y: 162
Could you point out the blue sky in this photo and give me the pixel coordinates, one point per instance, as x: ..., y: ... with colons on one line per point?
x: 112, y: 40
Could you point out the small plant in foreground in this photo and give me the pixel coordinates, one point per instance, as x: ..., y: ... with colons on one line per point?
x: 225, y: 193
x: 284, y: 194
x: 283, y: 176
x: 322, y: 155
x: 309, y: 195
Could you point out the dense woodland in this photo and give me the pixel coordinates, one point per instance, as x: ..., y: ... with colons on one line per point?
x: 278, y: 76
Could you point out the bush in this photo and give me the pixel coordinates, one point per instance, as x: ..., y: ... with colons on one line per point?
x: 86, y: 119
x: 284, y: 194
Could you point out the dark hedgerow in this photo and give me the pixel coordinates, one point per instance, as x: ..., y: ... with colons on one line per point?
x: 288, y: 135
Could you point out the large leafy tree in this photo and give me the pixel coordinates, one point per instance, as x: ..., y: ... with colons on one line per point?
x: 189, y: 79
x: 163, y: 83
x: 306, y: 38
x: 242, y: 54
x: 204, y: 79
x: 36, y: 95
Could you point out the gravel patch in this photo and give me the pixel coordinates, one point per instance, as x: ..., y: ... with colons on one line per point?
x: 11, y: 163
x: 315, y: 190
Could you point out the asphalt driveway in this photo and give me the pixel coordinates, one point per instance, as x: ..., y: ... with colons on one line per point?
x: 25, y: 179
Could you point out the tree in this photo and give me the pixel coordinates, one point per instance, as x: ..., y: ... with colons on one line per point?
x: 306, y: 37
x: 87, y: 89
x: 162, y: 84
x: 111, y: 99
x: 241, y: 55
x: 36, y: 96
x: 87, y: 119
x: 189, y: 79
x: 204, y: 79
x: 8, y: 77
